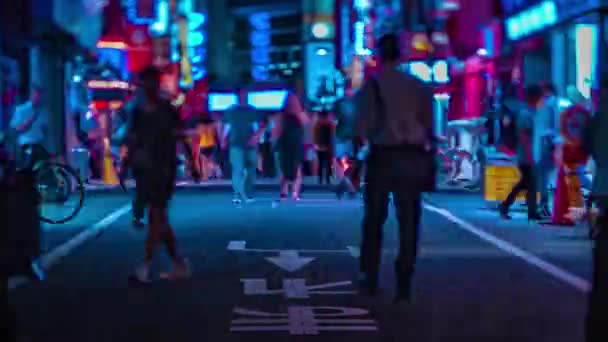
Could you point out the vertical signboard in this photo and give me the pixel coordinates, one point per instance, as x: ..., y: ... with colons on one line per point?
x: 260, y: 45
x: 319, y: 58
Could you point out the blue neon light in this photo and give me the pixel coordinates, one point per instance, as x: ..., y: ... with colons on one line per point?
x: 260, y: 45
x: 132, y: 15
x: 161, y: 25
x: 196, y: 38
x: 268, y: 99
x: 219, y: 102
x: 532, y: 20
x: 260, y: 21
x: 196, y: 20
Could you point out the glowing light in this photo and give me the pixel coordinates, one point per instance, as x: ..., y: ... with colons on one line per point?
x: 221, y: 101
x: 586, y: 63
x: 482, y: 52
x: 321, y: 30
x: 267, y: 100
x: 96, y: 84
x: 564, y: 103
x: 360, y: 48
x: 196, y: 20
x: 161, y: 25
x: 440, y: 72
x: 185, y: 64
x: 112, y: 45
x: 321, y: 52
x: 532, y: 20
x: 362, y: 4
x: 421, y: 70
x: 133, y: 16
x: 196, y: 38
x: 260, y: 43
x: 260, y: 21
x: 114, y: 105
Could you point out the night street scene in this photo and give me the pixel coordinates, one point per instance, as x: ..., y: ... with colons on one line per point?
x: 295, y: 170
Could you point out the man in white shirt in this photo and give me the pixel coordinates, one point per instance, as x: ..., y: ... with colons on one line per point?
x: 29, y: 123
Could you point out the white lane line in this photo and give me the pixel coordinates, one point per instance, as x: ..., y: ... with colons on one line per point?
x: 50, y: 259
x: 571, y: 279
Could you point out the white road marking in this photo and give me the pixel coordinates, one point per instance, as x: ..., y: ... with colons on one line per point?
x: 50, y: 259
x: 571, y: 279
x: 241, y: 246
x: 290, y: 260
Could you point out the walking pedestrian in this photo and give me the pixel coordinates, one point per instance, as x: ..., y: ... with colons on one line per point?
x: 528, y: 155
x: 290, y: 146
x: 242, y: 132
x: 155, y: 130
x: 396, y: 117
x: 323, y: 135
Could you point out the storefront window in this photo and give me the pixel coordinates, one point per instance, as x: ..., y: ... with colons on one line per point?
x: 582, y: 53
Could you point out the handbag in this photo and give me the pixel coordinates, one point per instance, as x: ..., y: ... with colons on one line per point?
x: 423, y: 174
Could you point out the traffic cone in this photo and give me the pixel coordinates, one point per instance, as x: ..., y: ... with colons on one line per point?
x: 109, y: 172
x: 567, y: 195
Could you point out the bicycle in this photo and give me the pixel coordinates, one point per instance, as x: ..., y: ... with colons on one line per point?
x: 56, y: 184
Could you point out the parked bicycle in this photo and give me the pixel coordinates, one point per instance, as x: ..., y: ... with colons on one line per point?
x: 61, y: 191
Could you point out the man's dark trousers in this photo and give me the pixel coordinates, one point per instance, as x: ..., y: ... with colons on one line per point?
x: 139, y: 202
x: 597, y: 312
x: 387, y: 171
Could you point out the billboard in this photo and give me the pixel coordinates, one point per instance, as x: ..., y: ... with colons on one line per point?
x: 81, y: 18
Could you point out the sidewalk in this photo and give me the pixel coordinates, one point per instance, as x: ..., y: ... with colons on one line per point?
x: 310, y: 183
x: 565, y: 246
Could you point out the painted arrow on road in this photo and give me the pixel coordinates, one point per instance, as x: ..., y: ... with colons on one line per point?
x: 290, y: 261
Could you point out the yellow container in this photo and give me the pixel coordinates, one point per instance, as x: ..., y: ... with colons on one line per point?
x: 499, y: 179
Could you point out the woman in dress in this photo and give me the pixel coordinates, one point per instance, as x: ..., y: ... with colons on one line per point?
x: 290, y: 146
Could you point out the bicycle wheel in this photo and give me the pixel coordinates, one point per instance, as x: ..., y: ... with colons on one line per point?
x: 61, y: 193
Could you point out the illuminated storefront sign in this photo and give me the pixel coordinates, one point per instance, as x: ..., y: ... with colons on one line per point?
x: 260, y: 45
x: 189, y: 48
x: 345, y: 34
x: 360, y: 48
x: 184, y: 61
x: 532, y: 20
x: 437, y: 73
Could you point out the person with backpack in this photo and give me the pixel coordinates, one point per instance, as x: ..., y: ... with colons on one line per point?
x: 324, y: 137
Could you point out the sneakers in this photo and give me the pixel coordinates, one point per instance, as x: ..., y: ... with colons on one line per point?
x: 180, y: 271
x: 249, y: 200
x: 142, y: 274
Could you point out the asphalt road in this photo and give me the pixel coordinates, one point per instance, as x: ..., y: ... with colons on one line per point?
x: 467, y: 289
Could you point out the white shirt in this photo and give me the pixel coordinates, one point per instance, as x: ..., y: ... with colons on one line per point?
x: 35, y: 133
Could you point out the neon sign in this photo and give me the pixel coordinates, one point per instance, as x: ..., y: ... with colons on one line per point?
x: 132, y: 6
x: 260, y: 45
x: 189, y: 49
x: 532, y: 20
x: 437, y: 73
x: 360, y: 48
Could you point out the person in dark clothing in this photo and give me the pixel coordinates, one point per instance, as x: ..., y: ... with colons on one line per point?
x: 155, y: 130
x: 290, y: 146
x: 324, y: 132
x: 398, y: 131
x: 526, y: 156
x: 595, y: 143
